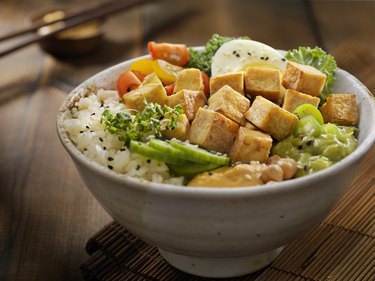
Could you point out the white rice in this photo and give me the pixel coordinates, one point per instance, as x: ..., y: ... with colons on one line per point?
x: 91, y: 139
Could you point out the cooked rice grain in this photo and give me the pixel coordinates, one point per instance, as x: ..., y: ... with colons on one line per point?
x: 90, y: 137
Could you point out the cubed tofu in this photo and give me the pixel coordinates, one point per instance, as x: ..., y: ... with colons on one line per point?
x: 181, y: 131
x: 250, y: 125
x: 293, y: 99
x: 235, y: 80
x: 189, y: 79
x: 230, y: 103
x: 150, y: 92
x: 213, y: 130
x: 250, y: 145
x: 303, y: 78
x: 151, y: 78
x: 189, y: 100
x: 271, y: 118
x: 263, y: 82
x: 341, y: 109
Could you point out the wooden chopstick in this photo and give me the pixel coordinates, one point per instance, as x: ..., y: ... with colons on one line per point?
x: 71, y: 20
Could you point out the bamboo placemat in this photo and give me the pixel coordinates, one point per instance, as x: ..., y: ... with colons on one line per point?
x: 341, y: 248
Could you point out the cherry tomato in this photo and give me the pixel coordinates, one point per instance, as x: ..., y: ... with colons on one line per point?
x: 139, y: 75
x: 143, y: 65
x: 166, y: 72
x: 169, y: 89
x: 176, y: 54
x: 206, y: 83
x: 127, y: 81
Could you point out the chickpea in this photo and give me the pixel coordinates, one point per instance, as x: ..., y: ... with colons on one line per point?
x: 273, y: 159
x: 273, y: 172
x: 289, y: 167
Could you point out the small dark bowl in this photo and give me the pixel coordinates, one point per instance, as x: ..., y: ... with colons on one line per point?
x: 75, y: 41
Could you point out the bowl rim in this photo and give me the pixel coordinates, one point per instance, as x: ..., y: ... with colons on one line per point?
x: 165, y: 188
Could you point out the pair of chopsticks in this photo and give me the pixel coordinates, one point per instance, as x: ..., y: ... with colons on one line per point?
x: 71, y: 19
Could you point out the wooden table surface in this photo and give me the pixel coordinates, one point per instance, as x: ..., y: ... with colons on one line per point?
x: 46, y: 212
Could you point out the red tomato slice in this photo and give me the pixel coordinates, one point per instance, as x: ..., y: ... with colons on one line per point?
x: 176, y: 54
x: 206, y: 82
x: 170, y: 88
x: 127, y: 81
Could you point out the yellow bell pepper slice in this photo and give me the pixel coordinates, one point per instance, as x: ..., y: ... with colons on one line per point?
x: 144, y: 66
x: 165, y: 71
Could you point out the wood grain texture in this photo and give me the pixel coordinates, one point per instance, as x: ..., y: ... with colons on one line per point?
x: 46, y: 212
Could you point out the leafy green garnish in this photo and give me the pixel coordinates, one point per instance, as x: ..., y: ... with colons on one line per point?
x: 202, y: 60
x: 151, y: 121
x: 319, y: 59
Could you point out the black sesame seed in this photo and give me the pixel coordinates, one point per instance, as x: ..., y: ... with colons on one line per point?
x: 81, y: 132
x: 309, y: 142
x: 91, y: 131
x: 148, y: 161
x: 92, y: 114
x: 104, y: 147
x: 249, y: 53
x: 234, y: 52
x: 266, y: 58
x: 87, y: 127
x: 305, y: 168
x: 138, y: 167
x: 110, y: 167
x: 300, y: 147
x: 237, y: 55
x: 209, y: 173
x: 283, y: 59
x: 101, y: 139
x: 262, y: 58
x: 101, y: 105
x: 85, y: 149
x: 122, y: 149
x: 110, y: 159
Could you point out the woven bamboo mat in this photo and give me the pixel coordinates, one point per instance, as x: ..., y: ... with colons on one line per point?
x: 341, y: 248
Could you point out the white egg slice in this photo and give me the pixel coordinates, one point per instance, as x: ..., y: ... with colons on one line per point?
x: 237, y: 55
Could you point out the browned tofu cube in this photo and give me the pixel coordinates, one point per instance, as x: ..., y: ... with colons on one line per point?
x: 303, y: 78
x: 212, y: 130
x: 293, y: 99
x: 250, y: 145
x: 151, y: 78
x: 250, y: 126
x: 263, y: 82
x: 230, y: 103
x: 271, y: 118
x: 341, y: 109
x: 235, y: 80
x: 150, y: 92
x: 189, y: 100
x: 189, y: 79
x: 181, y: 131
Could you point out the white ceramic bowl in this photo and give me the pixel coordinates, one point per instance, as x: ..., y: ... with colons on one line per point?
x: 221, y: 232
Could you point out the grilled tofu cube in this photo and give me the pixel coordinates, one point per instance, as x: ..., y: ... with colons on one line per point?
x: 181, y: 131
x: 250, y: 145
x: 189, y: 79
x: 303, y: 78
x: 341, y: 109
x: 250, y: 126
x: 230, y: 103
x: 293, y: 99
x: 263, y: 82
x: 271, y: 118
x: 153, y: 92
x: 151, y: 78
x: 212, y: 130
x: 189, y: 100
x: 235, y: 80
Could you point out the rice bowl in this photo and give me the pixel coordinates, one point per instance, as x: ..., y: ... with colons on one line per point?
x: 215, y: 232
